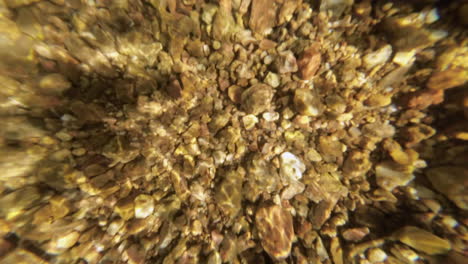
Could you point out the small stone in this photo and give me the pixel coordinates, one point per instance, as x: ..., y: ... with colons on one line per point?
x: 447, y: 79
x: 378, y: 100
x: 262, y: 16
x: 197, y: 228
x: 355, y: 234
x: 257, y: 98
x: 377, y: 57
x: 125, y: 208
x: 313, y: 155
x: 235, y: 93
x: 422, y: 240
x: 309, y: 62
x: 54, y: 83
x: 423, y: 98
x: 79, y: 152
x: 451, y: 181
x: 249, y: 121
x: 336, y: 250
x: 376, y: 255
x: 144, y: 206
x: 64, y: 136
x: 404, y: 58
x: 270, y: 116
x: 404, y: 254
x: 390, y: 175
x: 272, y: 79
x: 307, y: 102
x: 63, y: 242
x: 294, y: 188
x: 275, y: 227
x: 286, y: 62
x: 291, y: 167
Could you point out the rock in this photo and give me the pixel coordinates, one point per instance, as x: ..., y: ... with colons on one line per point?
x: 294, y: 188
x: 417, y: 133
x: 376, y: 255
x: 377, y: 57
x: 263, y: 16
x: 257, y: 99
x: 337, y: 7
x: 422, y: 99
x: 54, y: 83
x: 275, y: 227
x: 390, y: 175
x: 447, y: 79
x: 125, y: 208
x: 309, y: 62
x: 286, y: 62
x: 63, y: 242
x: 287, y: 11
x: 291, y: 167
x: 378, y: 100
x: 272, y: 79
x: 307, y: 102
x: 404, y: 254
x: 229, y: 193
x: 336, y: 251
x: 422, y: 240
x: 403, y: 58
x: 15, y: 202
x: 355, y: 234
x: 379, y: 130
x: 451, y: 181
x: 144, y: 206
x: 249, y: 121
x: 18, y: 3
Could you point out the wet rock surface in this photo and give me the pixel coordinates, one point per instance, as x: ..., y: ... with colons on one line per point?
x: 233, y: 131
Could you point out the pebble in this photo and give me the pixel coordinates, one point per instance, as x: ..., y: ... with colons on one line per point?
x: 54, y: 83
x: 79, y: 152
x: 447, y: 79
x: 355, y: 234
x: 404, y: 58
x: 272, y: 79
x: 286, y: 62
x: 257, y: 98
x: 307, y: 103
x: 377, y: 57
x: 275, y: 227
x: 309, y: 62
x: 390, y: 175
x: 249, y: 121
x: 452, y: 182
x: 63, y: 136
x: 375, y: 255
x: 422, y: 240
x: 144, y: 206
x: 291, y: 167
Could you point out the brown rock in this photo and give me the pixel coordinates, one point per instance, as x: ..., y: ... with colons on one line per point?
x: 447, y: 79
x: 452, y: 182
x: 309, y: 62
x: 257, y: 98
x: 422, y: 240
x: 355, y: 234
x: 423, y: 98
x: 275, y: 226
x: 263, y: 16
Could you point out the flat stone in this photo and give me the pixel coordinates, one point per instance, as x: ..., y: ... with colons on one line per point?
x: 452, y: 182
x: 275, y: 226
x: 391, y: 175
x: 422, y: 240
